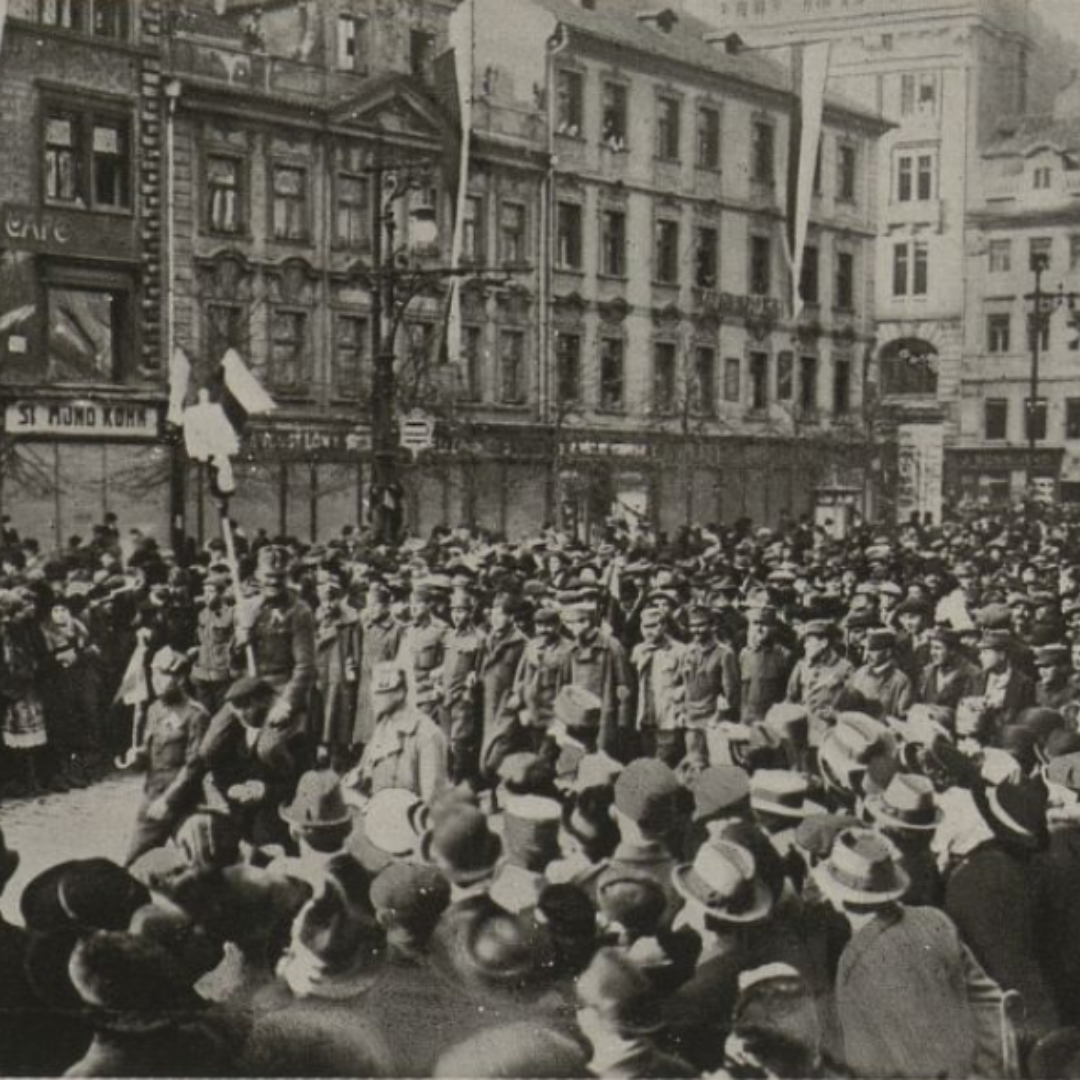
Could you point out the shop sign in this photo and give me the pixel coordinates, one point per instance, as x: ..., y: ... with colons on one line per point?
x: 84, y: 419
x: 305, y: 441
x: 58, y: 232
x: 605, y: 448
x: 417, y: 431
x: 1008, y: 458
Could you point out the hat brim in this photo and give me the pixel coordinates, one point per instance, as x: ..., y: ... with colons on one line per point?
x: 456, y: 876
x: 796, y: 813
x: 844, y: 892
x: 333, y: 823
x: 877, y: 808
x: 1004, y: 830
x: 682, y: 878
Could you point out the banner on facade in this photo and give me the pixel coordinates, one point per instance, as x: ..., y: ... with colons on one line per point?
x: 83, y: 419
x: 921, y: 466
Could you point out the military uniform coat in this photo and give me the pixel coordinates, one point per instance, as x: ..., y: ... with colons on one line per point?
x: 709, y: 671
x: 379, y: 643
x: 819, y: 685
x: 498, y: 668
x: 600, y: 666
x: 764, y: 672
x: 406, y: 750
x: 282, y: 637
x: 337, y: 666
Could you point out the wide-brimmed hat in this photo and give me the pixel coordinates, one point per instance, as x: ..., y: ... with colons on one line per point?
x: 862, y: 868
x: 462, y: 846
x: 907, y: 803
x: 850, y: 748
x: 719, y: 789
x: 723, y: 879
x: 578, y: 709
x: 391, y: 825
x: 413, y: 893
x: 1015, y: 810
x: 782, y: 792
x: 82, y: 894
x: 319, y: 802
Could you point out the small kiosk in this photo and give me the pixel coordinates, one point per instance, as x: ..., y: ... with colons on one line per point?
x: 836, y: 509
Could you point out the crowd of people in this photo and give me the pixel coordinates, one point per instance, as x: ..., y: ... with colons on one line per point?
x: 736, y: 802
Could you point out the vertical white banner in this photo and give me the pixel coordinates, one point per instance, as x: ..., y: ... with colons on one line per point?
x: 3, y: 20
x: 812, y: 76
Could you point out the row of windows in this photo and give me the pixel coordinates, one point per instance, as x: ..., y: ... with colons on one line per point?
x: 1040, y: 249
x: 911, y: 269
x: 996, y: 419
x: 999, y: 332
x: 99, y: 18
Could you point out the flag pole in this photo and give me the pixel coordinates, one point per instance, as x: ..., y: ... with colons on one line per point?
x: 234, y: 570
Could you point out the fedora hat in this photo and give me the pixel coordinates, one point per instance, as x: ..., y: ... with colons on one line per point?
x: 462, y: 845
x: 82, y: 894
x: 781, y: 792
x: 392, y: 823
x: 907, y: 803
x: 862, y: 868
x: 319, y: 802
x: 719, y: 789
x: 849, y: 749
x: 1015, y: 810
x: 621, y: 992
x: 578, y: 709
x: 723, y: 880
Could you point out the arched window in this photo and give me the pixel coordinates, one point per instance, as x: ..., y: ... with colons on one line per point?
x: 909, y: 366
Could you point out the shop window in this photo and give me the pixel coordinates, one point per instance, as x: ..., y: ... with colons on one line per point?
x: 86, y: 159
x: 512, y: 389
x: 704, y: 382
x: 706, y: 258
x: 996, y: 419
x: 569, y: 225
x: 289, y: 352
x: 225, y: 194
x: 668, y: 123
x: 611, y: 374
x: 570, y: 103
x: 614, y: 116
x: 667, y: 252
x: 664, y: 377
x: 759, y: 381
x: 353, y: 210
x: 351, y: 340
x: 708, y: 137
x: 89, y: 330
x: 568, y: 368
x: 613, y: 243
x: 290, y: 209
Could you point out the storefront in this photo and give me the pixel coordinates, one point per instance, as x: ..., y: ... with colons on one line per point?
x: 68, y: 461
x: 998, y: 476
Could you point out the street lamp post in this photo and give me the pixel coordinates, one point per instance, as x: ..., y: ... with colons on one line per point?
x: 1044, y: 304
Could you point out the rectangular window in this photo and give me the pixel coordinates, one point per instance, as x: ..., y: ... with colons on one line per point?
x: 848, y: 173
x: 920, y: 284
x: 512, y: 390
x: 845, y: 281
x: 785, y: 376
x: 102, y: 18
x: 225, y: 194
x: 926, y: 177
x: 570, y: 103
x: 841, y: 387
x: 808, y: 379
x: 611, y: 374
x: 353, y: 211
x: 911, y: 269
x: 809, y: 283
x: 759, y: 381
x: 760, y: 265
x: 732, y: 380
x: 226, y: 328
x: 667, y: 252
x: 352, y: 37
x: 1039, y: 251
x: 919, y: 94
x: 614, y: 116
x: 998, y: 333
x: 568, y: 368
x: 351, y: 336
x: 472, y: 356
x: 512, y: 250
x: 1040, y: 325
x: 996, y: 419
x: 703, y: 387
x: 1042, y: 178
x: 668, y: 122
x: 1001, y: 256
x: 1072, y: 418
x: 905, y: 187
x: 290, y: 216
x: 1035, y: 417
x: 763, y: 153
x: 915, y: 177
x: 472, y: 231
x: 664, y: 377
x: 1074, y: 252
x: 88, y: 333
x: 65, y: 14
x: 613, y: 243
x: 569, y: 224
x: 288, y: 351
x: 708, y: 137
x: 87, y: 159
x: 819, y: 172
x: 706, y: 257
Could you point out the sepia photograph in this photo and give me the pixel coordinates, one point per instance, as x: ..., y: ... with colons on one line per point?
x: 540, y: 538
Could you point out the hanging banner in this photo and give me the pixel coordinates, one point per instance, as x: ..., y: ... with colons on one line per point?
x: 921, y: 466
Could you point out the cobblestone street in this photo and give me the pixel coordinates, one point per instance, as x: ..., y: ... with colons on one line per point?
x: 77, y: 824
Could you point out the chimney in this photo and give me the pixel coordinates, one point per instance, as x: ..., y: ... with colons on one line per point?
x: 662, y: 19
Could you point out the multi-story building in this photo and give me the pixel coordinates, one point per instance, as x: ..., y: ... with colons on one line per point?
x: 82, y: 377
x: 1027, y: 216
x: 943, y: 72
x: 673, y: 381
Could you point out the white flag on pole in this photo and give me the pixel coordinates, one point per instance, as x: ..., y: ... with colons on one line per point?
x: 245, y: 389
x: 179, y: 384
x: 3, y: 19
